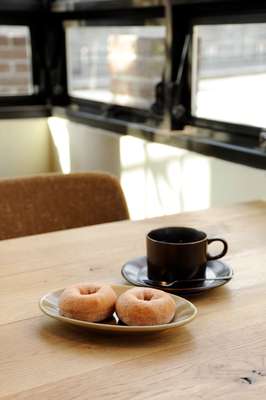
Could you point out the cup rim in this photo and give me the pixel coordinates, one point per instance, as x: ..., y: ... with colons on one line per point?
x: 175, y: 244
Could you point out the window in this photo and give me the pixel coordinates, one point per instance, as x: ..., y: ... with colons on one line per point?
x: 15, y: 61
x: 26, y: 53
x: 144, y: 67
x: 115, y: 65
x: 229, y: 73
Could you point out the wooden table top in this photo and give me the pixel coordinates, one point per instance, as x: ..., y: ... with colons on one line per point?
x: 219, y: 355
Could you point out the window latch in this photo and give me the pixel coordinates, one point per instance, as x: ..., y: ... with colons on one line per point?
x: 157, y: 107
x: 178, y: 109
x: 262, y: 139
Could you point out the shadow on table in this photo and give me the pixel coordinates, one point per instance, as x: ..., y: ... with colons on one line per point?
x: 54, y: 331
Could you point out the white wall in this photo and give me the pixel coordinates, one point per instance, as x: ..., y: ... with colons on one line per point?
x: 77, y: 147
x: 157, y: 179
x: 24, y: 147
x: 232, y: 182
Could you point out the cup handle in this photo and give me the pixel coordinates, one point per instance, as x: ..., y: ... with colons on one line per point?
x: 223, y: 252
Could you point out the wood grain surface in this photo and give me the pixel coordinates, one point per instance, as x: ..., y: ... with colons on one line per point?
x: 220, y: 355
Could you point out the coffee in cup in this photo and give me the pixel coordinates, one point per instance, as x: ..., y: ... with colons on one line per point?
x: 178, y: 253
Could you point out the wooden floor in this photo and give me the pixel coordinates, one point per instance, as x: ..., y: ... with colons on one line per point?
x: 220, y: 355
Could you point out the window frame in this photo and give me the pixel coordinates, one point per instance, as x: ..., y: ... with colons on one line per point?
x: 25, y: 6
x: 206, y: 13
x: 231, y: 142
x: 108, y: 112
x: 31, y: 14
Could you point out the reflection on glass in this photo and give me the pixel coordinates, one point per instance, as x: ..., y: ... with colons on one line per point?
x: 15, y: 61
x: 229, y: 73
x: 115, y: 65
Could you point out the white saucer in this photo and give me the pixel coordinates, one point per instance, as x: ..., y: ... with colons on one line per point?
x: 185, y: 312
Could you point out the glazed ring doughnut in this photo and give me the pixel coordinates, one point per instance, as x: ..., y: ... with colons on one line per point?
x: 91, y: 302
x: 145, y: 306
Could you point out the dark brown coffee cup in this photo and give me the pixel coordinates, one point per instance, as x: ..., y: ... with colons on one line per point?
x: 178, y: 253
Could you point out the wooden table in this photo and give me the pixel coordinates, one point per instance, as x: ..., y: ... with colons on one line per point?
x: 220, y: 355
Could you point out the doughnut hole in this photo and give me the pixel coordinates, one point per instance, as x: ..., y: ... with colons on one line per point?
x: 88, y: 290
x: 146, y: 295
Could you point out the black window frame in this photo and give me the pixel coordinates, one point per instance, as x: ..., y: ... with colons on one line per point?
x: 212, y: 12
x: 240, y: 143
x: 24, y: 6
x: 105, y: 112
x: 32, y: 14
x: 46, y: 22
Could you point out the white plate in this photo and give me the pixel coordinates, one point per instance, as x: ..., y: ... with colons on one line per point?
x: 185, y: 312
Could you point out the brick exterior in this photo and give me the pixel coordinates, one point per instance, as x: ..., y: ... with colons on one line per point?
x: 138, y: 78
x: 15, y: 61
x: 126, y: 63
x: 3, y: 40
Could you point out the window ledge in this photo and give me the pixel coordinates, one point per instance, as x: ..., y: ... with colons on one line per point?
x: 235, y: 148
x: 31, y: 111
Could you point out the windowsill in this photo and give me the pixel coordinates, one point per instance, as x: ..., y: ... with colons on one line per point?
x: 18, y: 5
x: 29, y: 111
x: 235, y: 148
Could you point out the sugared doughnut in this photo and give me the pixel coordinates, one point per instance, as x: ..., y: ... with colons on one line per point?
x: 145, y: 306
x: 91, y: 302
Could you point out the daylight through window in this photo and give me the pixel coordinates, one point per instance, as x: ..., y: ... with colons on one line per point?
x: 115, y: 65
x: 229, y: 73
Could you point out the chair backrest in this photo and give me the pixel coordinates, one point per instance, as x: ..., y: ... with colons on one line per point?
x: 52, y: 202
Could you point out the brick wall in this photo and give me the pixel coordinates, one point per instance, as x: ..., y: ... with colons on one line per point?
x: 138, y: 77
x: 126, y: 62
x: 15, y: 61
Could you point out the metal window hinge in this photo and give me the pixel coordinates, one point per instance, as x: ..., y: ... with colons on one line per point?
x: 262, y: 139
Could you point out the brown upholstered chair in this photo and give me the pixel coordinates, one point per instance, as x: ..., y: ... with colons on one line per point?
x: 53, y: 202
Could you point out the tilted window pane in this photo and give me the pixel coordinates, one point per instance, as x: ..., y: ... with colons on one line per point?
x: 115, y: 65
x: 229, y: 73
x: 15, y: 61
x: 58, y: 5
